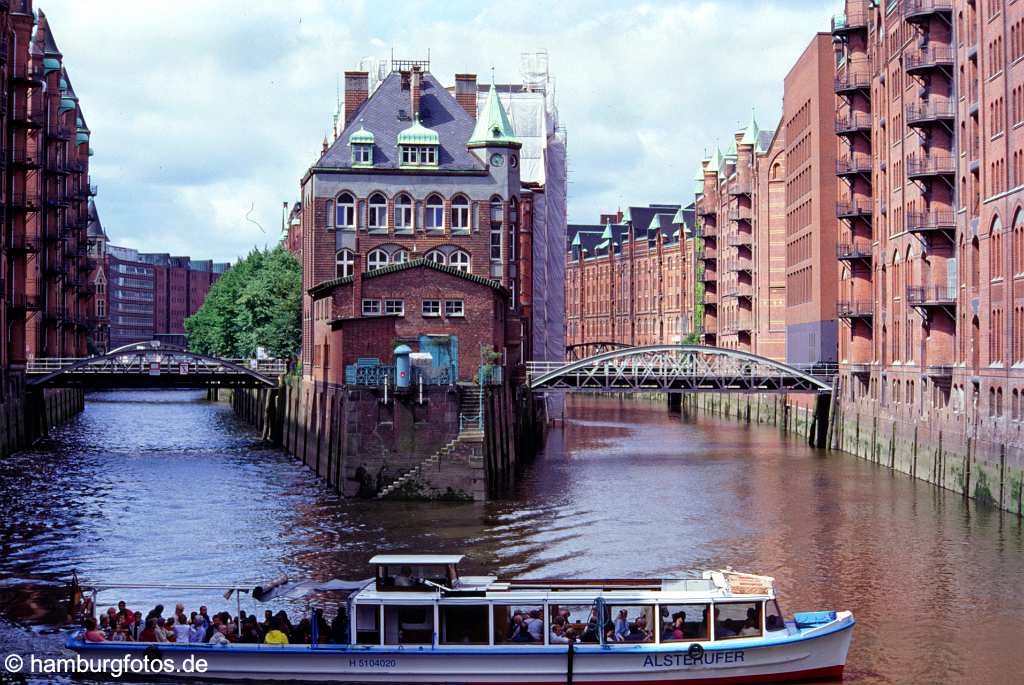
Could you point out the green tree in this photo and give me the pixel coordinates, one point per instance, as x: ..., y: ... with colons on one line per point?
x: 256, y: 303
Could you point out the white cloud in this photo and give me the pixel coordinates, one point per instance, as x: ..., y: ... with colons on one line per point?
x: 201, y: 110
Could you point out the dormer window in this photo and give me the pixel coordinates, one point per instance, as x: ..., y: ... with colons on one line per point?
x: 361, y: 142
x: 418, y: 146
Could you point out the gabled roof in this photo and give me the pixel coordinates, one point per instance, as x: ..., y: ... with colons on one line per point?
x: 764, y: 140
x: 492, y: 124
x: 750, y: 132
x: 94, y: 228
x: 714, y: 162
x: 388, y: 112
x: 422, y: 263
x: 642, y: 217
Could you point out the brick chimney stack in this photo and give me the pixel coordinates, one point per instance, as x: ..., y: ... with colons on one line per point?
x: 465, y: 92
x: 357, y: 89
x: 415, y: 87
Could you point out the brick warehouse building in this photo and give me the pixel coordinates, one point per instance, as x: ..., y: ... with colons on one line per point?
x: 418, y: 172
x: 629, y: 281
x: 46, y: 290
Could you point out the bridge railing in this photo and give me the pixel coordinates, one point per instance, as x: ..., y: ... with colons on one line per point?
x: 131, y: 362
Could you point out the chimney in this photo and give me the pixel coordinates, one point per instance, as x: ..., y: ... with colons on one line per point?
x: 465, y: 92
x: 357, y: 88
x: 415, y: 86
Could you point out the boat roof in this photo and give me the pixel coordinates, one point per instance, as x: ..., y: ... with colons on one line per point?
x: 417, y: 559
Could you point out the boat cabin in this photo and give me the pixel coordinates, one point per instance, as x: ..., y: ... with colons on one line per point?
x: 421, y: 601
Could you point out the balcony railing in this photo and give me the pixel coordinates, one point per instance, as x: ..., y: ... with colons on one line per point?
x: 928, y: 58
x: 709, y: 231
x: 739, y: 214
x: 742, y: 265
x: 853, y: 122
x: 853, y: 165
x: 930, y: 165
x: 60, y: 132
x: 853, y: 77
x: 56, y: 166
x: 24, y: 200
x: 853, y: 251
x: 23, y: 243
x: 857, y: 368
x: 740, y: 188
x: 76, y: 166
x: 927, y: 222
x: 741, y: 240
x: 740, y: 290
x: 931, y: 295
x: 741, y: 324
x: 919, y: 10
x: 28, y: 115
x: 930, y: 112
x: 855, y: 309
x: 852, y: 209
x: 22, y: 156
x: 851, y: 21
x: 939, y: 370
x: 27, y: 72
x: 24, y: 302
x: 709, y: 276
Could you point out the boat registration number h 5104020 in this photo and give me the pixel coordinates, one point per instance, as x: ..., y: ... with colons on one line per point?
x: 373, y: 663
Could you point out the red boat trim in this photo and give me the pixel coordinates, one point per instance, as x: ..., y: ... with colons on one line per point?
x: 827, y: 673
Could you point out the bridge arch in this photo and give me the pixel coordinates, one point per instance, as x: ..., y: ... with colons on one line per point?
x: 675, y: 368
x: 583, y: 350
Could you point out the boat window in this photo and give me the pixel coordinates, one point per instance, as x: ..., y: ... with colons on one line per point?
x: 737, y: 619
x: 518, y: 624
x: 683, y: 622
x: 572, y: 621
x: 464, y: 625
x: 773, y: 616
x: 368, y: 624
x: 409, y: 625
x: 410, y: 577
x: 630, y: 623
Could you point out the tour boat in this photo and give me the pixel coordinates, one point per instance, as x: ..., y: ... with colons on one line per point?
x: 418, y: 621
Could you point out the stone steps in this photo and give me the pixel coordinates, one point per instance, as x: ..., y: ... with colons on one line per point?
x: 432, y: 461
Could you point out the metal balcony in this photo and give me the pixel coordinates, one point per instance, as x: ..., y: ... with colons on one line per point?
x: 854, y: 209
x: 853, y: 122
x: 75, y: 166
x: 925, y: 59
x: 741, y: 240
x: 853, y: 166
x: 57, y: 270
x: 56, y: 166
x: 709, y: 255
x: 739, y: 214
x: 855, y: 309
x: 740, y: 291
x: 932, y: 296
x: 931, y: 113
x: 708, y: 206
x: 31, y: 74
x: 23, y: 114
x: 23, y: 244
x: 709, y: 276
x: 24, y: 302
x: 843, y: 24
x: 740, y: 325
x: 856, y: 368
x: 740, y: 188
x: 59, y: 132
x: 23, y: 157
x: 24, y: 201
x: 851, y: 80
x: 57, y: 200
x: 939, y: 371
x: 941, y: 221
x: 850, y: 252
x: 928, y: 166
x: 709, y: 231
x: 923, y: 10
x: 742, y: 266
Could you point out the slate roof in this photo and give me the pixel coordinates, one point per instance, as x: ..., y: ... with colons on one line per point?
x: 589, y: 236
x: 380, y: 116
x: 641, y: 217
x: 327, y: 286
x: 764, y: 140
x: 95, y: 228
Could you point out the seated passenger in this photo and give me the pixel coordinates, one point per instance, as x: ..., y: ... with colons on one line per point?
x: 535, y: 625
x: 723, y: 628
x: 275, y: 636
x: 520, y: 633
x: 675, y: 630
x: 621, y: 626
x: 752, y: 626
x: 775, y: 622
x: 339, y: 628
x: 404, y: 578
x: 638, y: 631
x: 557, y: 636
x: 570, y: 635
x: 92, y: 633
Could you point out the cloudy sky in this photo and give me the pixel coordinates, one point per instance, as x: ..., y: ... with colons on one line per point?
x: 204, y: 115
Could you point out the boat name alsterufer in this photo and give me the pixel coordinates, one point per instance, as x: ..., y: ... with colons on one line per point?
x: 418, y: 621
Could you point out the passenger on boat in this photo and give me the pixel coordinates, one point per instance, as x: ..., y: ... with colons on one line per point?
x: 251, y: 632
x: 535, y: 626
x: 557, y: 635
x: 124, y: 613
x: 268, y: 616
x: 149, y: 632
x: 723, y: 628
x: 621, y: 626
x: 752, y: 626
x: 675, y: 630
x: 339, y: 628
x: 302, y: 633
x: 638, y: 630
x: 181, y: 628
x: 204, y: 617
x: 156, y: 612
x: 137, y: 625
x: 283, y: 622
x: 404, y: 578
x: 92, y: 632
x: 196, y: 633
x: 275, y: 636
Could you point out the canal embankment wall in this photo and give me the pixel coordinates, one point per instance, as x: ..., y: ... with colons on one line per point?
x: 27, y: 414
x: 422, y: 443
x: 978, y: 459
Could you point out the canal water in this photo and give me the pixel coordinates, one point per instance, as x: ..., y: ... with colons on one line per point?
x: 163, y: 486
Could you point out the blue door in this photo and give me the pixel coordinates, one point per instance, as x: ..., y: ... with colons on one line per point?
x: 444, y: 353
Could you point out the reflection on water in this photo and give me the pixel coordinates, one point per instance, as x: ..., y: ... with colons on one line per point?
x: 163, y: 486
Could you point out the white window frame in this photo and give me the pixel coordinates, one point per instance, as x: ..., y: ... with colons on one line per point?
x: 371, y: 307
x: 461, y: 214
x: 394, y: 307
x: 377, y: 259
x: 346, y: 261
x: 409, y: 155
x: 431, y: 308
x: 437, y: 257
x: 433, y: 217
x: 404, y: 213
x: 362, y: 154
x: 346, y: 211
x: 400, y: 256
x: 454, y: 309
x: 377, y: 213
x: 428, y: 155
x: 461, y: 260
x: 496, y: 243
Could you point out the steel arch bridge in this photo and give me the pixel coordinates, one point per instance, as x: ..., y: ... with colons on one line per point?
x: 152, y: 365
x: 587, y: 349
x: 675, y: 369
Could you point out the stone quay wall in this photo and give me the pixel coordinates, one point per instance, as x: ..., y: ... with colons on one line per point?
x: 27, y: 414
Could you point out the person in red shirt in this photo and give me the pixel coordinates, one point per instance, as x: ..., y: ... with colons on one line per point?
x: 92, y: 634
x: 149, y: 634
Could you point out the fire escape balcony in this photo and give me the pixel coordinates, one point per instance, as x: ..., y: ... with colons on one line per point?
x: 24, y: 201
x: 709, y: 231
x: 927, y: 113
x: 708, y: 205
x: 852, y: 123
x: 56, y: 270
x: 76, y: 166
x: 740, y: 291
x: 31, y: 74
x: 855, y: 309
x: 939, y: 221
x: 742, y: 324
x: 58, y: 199
x: 56, y: 166
x: 709, y: 276
x: 23, y: 157
x: 923, y: 10
x: 23, y: 244
x: 932, y: 296
x: 740, y: 188
x: 24, y: 114
x: 23, y: 302
x: 86, y: 289
x: 856, y: 165
x: 740, y: 240
x: 926, y: 59
x: 59, y: 132
x: 711, y: 298
x: 741, y: 265
x: 739, y: 214
x: 709, y: 254
x: 853, y: 209
x: 844, y: 24
x: 931, y: 166
x: 852, y: 252
x: 852, y: 79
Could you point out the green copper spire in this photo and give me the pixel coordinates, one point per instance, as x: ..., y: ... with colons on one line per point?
x: 492, y: 124
x: 576, y: 240
x: 418, y: 134
x: 715, y: 162
x: 607, y: 235
x: 750, y: 132
x: 730, y: 153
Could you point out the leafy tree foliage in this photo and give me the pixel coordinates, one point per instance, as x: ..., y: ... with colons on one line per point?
x: 256, y: 303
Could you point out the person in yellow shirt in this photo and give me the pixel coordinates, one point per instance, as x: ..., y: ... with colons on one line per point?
x: 275, y: 636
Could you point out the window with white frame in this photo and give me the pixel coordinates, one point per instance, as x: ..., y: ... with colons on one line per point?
x: 343, y: 263
x: 346, y: 211
x: 396, y: 307
x: 371, y: 307
x: 460, y: 260
x: 460, y: 213
x: 419, y: 155
x: 378, y: 212
x: 403, y: 213
x: 495, y: 242
x: 428, y: 154
x: 431, y: 307
x: 454, y: 308
x: 434, y: 216
x: 399, y: 256
x: 362, y: 154
x: 497, y: 210
x: 376, y: 259
x: 437, y: 257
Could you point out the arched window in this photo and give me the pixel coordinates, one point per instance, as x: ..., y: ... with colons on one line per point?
x: 437, y: 257
x: 378, y: 217
x: 435, y: 213
x: 460, y: 260
x: 346, y: 211
x: 1018, y: 242
x: 399, y: 256
x: 460, y: 213
x: 995, y: 261
x: 343, y: 263
x: 403, y: 213
x: 376, y: 259
x: 497, y: 209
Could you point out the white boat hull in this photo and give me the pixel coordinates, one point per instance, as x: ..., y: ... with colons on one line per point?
x: 805, y: 654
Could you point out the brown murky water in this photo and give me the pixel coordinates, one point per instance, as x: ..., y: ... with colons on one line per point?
x: 162, y: 486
